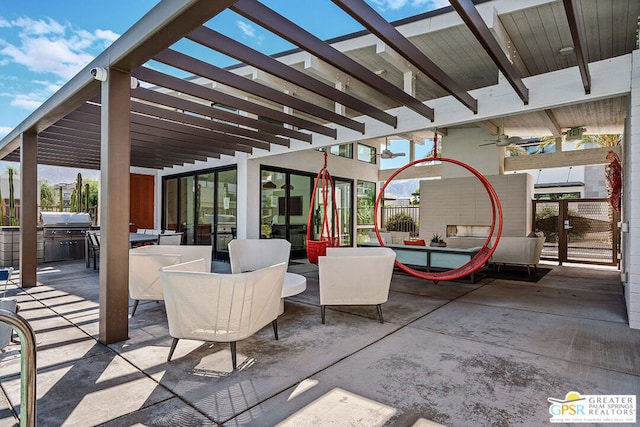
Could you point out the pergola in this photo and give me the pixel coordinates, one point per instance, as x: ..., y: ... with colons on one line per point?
x: 436, y: 70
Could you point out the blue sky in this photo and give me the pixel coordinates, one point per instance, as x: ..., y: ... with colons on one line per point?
x: 43, y: 43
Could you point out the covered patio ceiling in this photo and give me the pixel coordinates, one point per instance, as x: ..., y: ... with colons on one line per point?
x: 322, y: 90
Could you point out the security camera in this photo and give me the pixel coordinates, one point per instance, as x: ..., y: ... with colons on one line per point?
x: 99, y: 74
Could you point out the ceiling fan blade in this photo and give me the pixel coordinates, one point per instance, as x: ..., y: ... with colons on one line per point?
x: 393, y: 155
x: 493, y: 142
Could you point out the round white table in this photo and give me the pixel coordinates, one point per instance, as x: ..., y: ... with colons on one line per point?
x: 293, y: 285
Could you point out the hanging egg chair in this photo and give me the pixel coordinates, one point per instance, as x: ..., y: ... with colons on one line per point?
x: 327, y: 234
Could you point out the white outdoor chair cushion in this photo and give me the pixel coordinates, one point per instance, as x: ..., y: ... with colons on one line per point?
x: 524, y: 251
x: 355, y: 276
x: 253, y: 254
x: 188, y: 252
x: 220, y: 307
x: 170, y: 239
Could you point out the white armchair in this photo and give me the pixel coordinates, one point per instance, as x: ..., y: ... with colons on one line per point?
x: 146, y: 261
x: 252, y: 254
x: 220, y: 307
x: 524, y: 251
x: 355, y: 276
x: 144, y: 280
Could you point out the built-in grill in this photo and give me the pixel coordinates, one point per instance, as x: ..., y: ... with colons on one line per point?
x: 64, y: 234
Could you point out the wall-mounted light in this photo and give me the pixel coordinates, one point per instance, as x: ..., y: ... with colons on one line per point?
x: 135, y: 83
x: 99, y: 74
x: 568, y: 50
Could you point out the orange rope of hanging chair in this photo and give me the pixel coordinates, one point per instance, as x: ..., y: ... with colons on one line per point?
x: 328, y: 237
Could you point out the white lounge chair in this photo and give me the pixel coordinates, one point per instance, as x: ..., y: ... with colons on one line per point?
x: 355, y: 276
x: 252, y: 254
x: 145, y: 263
x: 220, y: 307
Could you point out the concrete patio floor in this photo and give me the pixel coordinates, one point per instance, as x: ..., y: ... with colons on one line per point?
x: 457, y: 354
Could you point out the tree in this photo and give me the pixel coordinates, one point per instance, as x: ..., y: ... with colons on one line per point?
x: 47, y: 194
x: 605, y: 140
x: 92, y: 190
x: 415, y: 198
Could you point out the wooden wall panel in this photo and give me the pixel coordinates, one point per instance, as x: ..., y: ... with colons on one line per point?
x: 142, y: 201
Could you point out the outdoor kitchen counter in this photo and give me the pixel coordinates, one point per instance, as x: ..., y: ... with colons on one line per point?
x: 10, y: 246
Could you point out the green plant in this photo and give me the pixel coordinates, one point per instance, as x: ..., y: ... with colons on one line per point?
x: 436, y: 238
x: 401, y: 221
x: 12, y: 201
x: 78, y: 206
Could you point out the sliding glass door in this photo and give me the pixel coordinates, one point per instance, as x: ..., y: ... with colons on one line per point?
x: 285, y: 200
x: 202, y: 206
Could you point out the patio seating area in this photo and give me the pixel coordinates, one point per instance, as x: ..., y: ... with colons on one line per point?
x: 455, y: 353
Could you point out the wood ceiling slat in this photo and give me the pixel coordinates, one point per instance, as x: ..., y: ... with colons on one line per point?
x: 367, y: 17
x: 169, y: 148
x: 221, y: 139
x: 267, y: 18
x: 223, y: 44
x: 139, y: 131
x: 165, y: 113
x: 170, y: 153
x: 217, y: 114
x: 579, y: 46
x: 164, y: 80
x: 78, y: 126
x: 188, y: 132
x: 187, y: 63
x: 88, y: 136
x: 470, y: 15
x: 177, y: 152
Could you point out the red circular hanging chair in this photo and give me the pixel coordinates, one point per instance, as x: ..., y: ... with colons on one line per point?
x: 328, y: 236
x: 482, y: 256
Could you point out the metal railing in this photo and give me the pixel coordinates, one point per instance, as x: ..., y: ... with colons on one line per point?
x: 27, y: 366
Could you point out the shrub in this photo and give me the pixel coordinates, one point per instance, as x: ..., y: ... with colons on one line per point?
x: 401, y: 222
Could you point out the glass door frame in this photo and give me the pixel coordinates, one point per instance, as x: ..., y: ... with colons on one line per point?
x: 217, y: 252
x: 288, y: 172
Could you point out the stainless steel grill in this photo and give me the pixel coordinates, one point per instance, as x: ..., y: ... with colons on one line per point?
x: 64, y: 235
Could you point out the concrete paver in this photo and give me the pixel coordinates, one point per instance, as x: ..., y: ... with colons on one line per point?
x: 454, y: 354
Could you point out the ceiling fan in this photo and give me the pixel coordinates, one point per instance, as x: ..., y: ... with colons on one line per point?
x: 388, y: 154
x: 503, y: 140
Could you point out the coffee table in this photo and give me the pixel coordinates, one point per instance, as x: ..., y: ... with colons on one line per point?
x: 293, y: 285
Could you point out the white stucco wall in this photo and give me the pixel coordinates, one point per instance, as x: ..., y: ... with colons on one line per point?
x: 631, y: 199
x: 465, y: 145
x: 464, y: 201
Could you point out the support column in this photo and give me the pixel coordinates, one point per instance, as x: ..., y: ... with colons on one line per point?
x: 115, y: 161
x: 28, y: 209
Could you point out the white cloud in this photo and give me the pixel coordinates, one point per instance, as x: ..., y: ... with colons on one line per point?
x: 247, y: 29
x: 107, y: 35
x: 4, y: 131
x: 46, y: 46
x: 32, y: 27
x: 29, y: 101
x: 4, y: 23
x: 383, y: 5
